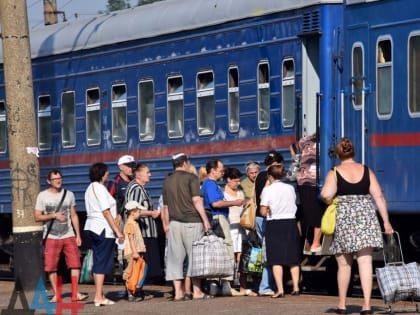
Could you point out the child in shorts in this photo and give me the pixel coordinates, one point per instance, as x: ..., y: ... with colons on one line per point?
x: 134, y: 245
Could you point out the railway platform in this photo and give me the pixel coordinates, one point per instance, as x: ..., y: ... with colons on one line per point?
x: 161, y: 304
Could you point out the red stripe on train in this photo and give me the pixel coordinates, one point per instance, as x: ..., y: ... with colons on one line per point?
x: 237, y: 146
x: 395, y: 140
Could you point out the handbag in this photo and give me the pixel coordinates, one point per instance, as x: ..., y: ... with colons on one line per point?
x: 137, y: 274
x: 217, y: 228
x: 398, y: 282
x: 86, y: 270
x: 328, y: 218
x: 211, y: 258
x: 251, y: 259
x: 247, y: 219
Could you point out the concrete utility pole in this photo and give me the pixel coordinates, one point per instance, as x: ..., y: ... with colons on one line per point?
x: 22, y: 136
x: 50, y: 12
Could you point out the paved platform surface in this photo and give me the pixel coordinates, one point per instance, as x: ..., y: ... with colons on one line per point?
x: 161, y: 303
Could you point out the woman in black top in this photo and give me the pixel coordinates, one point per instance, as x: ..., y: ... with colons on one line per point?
x: 357, y: 228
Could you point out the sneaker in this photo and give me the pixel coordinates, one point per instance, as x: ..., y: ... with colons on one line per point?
x: 132, y: 298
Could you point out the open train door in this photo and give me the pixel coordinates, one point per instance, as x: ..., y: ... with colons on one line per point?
x: 310, y: 84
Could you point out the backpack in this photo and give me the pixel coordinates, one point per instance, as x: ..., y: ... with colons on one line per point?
x: 137, y: 274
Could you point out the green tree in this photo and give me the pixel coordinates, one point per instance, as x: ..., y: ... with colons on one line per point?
x: 115, y: 5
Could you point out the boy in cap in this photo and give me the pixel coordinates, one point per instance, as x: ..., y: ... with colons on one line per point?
x: 134, y: 246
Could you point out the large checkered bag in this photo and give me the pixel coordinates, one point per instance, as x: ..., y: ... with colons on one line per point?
x: 399, y: 282
x: 211, y: 258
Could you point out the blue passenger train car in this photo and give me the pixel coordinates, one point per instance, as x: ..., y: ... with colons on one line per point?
x: 229, y: 79
x: 380, y: 107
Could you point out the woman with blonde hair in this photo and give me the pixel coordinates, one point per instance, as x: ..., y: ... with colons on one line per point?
x: 357, y: 230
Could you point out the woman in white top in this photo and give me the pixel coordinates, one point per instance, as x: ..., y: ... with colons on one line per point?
x: 100, y: 228
x: 278, y: 204
x: 232, y: 177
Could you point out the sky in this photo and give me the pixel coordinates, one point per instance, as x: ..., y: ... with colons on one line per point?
x: 83, y: 9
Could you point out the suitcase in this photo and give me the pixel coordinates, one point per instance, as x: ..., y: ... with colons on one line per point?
x: 397, y: 281
x: 211, y: 258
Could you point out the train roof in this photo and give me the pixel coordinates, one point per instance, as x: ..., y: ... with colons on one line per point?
x: 151, y: 20
x: 349, y: 2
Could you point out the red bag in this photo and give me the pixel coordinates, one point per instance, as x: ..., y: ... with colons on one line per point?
x: 137, y: 274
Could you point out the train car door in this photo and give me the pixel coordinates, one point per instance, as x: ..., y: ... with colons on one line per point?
x: 310, y: 84
x: 356, y: 108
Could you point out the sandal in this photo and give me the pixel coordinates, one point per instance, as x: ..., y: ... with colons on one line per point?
x: 104, y: 302
x: 81, y: 297
x: 249, y: 292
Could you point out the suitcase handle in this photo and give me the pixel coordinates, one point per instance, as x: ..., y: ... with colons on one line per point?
x: 392, y: 249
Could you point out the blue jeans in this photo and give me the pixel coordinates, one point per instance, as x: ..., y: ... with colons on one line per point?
x: 267, y: 280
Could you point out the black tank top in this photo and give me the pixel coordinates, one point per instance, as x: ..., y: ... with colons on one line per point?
x: 360, y: 188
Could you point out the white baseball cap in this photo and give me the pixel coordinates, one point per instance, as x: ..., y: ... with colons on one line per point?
x: 132, y: 204
x: 125, y: 159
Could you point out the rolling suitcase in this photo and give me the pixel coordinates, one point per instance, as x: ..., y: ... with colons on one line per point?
x: 397, y: 281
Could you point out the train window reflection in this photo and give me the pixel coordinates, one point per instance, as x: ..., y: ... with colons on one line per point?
x: 263, y: 96
x: 357, y: 75
x: 119, y: 113
x: 146, y: 110
x: 233, y: 91
x: 205, y: 103
x: 68, y: 120
x: 288, y: 93
x: 175, y: 114
x: 3, y: 127
x: 44, y: 122
x: 414, y: 75
x: 93, y: 117
x: 384, y: 78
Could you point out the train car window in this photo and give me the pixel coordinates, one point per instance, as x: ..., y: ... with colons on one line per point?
x: 44, y: 122
x: 205, y: 103
x: 3, y: 127
x: 288, y: 93
x: 146, y: 110
x: 384, y: 78
x: 414, y: 74
x: 119, y: 113
x: 233, y: 91
x: 263, y: 95
x: 68, y: 120
x: 357, y: 75
x: 175, y: 112
x: 93, y: 117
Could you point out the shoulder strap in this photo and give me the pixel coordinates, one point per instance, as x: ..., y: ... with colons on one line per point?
x: 56, y: 210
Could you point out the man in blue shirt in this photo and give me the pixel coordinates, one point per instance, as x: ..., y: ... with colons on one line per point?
x: 219, y: 208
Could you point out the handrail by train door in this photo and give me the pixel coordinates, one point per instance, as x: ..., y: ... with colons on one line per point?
x: 317, y: 137
x: 363, y: 126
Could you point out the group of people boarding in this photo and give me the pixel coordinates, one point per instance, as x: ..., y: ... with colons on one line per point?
x: 191, y: 203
